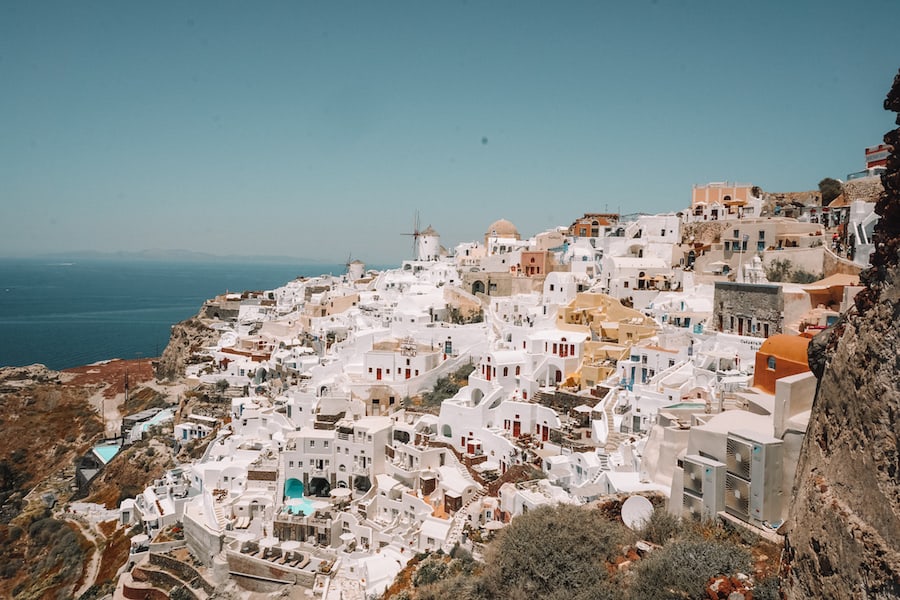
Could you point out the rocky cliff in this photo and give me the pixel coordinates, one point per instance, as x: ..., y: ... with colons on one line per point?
x: 844, y: 528
x: 186, y: 338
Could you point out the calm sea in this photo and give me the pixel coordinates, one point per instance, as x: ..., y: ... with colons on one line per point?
x: 70, y: 314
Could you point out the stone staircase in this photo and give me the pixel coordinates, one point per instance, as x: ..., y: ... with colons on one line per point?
x: 614, y: 438
x: 459, y: 521
x: 222, y: 514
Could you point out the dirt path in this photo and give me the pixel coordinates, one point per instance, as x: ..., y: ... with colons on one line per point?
x: 93, y: 565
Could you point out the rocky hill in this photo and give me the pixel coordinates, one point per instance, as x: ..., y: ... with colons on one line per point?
x: 48, y: 419
x: 844, y: 528
x: 186, y: 338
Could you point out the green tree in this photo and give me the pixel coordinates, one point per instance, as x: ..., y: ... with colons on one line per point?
x: 830, y: 189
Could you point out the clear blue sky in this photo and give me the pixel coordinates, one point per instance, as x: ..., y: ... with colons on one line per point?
x: 316, y: 129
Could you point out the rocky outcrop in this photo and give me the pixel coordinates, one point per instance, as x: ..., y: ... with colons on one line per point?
x: 843, y: 538
x: 187, y: 338
x: 867, y: 189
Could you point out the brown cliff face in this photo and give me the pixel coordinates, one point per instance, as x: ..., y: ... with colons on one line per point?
x: 187, y: 337
x: 844, y: 528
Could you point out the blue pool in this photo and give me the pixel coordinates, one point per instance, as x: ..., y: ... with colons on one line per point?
x: 106, y: 452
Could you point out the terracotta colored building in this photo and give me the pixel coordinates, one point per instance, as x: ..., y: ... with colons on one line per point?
x: 535, y: 263
x: 779, y: 356
x: 593, y: 224
x: 720, y: 199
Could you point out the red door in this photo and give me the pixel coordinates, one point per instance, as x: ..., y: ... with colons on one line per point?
x: 378, y: 374
x: 517, y: 428
x: 407, y: 373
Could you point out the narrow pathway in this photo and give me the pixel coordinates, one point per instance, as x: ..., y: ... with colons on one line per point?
x: 93, y: 566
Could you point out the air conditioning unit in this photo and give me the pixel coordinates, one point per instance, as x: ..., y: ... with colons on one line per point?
x: 737, y: 456
x: 763, y: 465
x: 737, y: 496
x: 693, y: 506
x: 693, y: 477
x: 705, y: 478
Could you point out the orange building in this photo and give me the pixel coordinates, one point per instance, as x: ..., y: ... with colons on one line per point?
x: 535, y: 263
x: 593, y: 224
x: 779, y: 356
x: 720, y: 196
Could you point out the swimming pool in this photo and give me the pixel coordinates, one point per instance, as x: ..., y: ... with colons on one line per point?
x: 297, y: 505
x: 106, y: 452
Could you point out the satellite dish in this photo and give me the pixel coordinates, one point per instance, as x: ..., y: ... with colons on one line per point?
x: 636, y: 511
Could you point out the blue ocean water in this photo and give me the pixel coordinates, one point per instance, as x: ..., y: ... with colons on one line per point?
x: 70, y: 314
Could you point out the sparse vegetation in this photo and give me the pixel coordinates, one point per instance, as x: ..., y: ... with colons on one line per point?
x: 566, y: 552
x: 681, y: 568
x: 446, y: 387
x: 782, y: 269
x: 661, y: 527
x: 460, y: 317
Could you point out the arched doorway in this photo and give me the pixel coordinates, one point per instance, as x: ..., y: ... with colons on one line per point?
x: 293, y: 488
x: 478, y: 287
x: 319, y: 486
x: 362, y: 483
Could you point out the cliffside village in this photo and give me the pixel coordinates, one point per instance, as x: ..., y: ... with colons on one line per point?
x: 615, y: 355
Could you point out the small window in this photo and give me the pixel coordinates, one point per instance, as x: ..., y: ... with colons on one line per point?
x: 771, y: 363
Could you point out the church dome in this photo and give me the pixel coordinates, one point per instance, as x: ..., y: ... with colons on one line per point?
x: 502, y: 228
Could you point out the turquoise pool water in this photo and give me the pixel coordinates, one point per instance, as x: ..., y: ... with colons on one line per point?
x: 106, y: 452
x: 686, y: 405
x: 296, y: 505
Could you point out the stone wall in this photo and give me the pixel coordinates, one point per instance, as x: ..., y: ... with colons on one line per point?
x: 182, y: 570
x: 202, y: 543
x: 834, y: 264
x: 263, y: 575
x: 761, y: 303
x: 162, y: 581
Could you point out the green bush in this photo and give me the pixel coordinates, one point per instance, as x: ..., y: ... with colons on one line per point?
x: 555, y: 549
x: 682, y: 568
x: 661, y: 527
x: 430, y: 570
